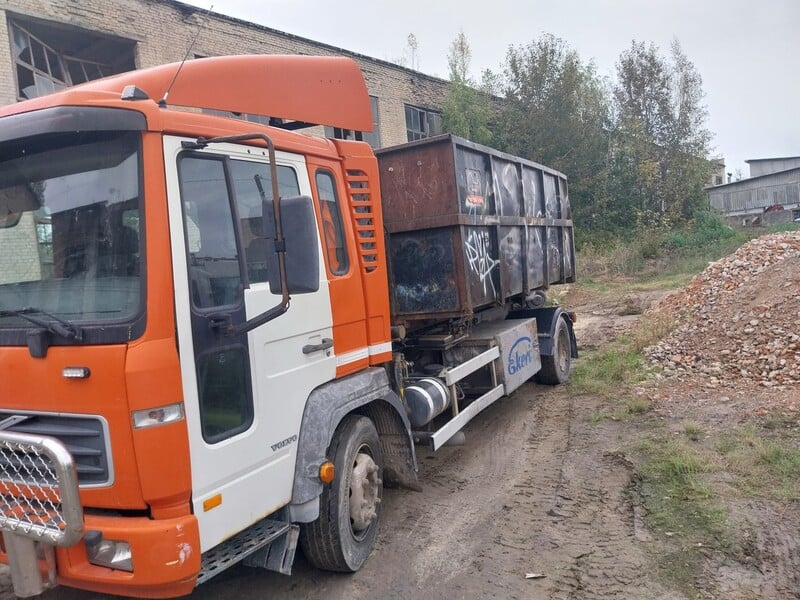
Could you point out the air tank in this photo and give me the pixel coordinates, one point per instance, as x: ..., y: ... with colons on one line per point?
x: 425, y: 398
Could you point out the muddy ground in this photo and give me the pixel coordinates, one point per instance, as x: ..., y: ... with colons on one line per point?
x: 540, y: 486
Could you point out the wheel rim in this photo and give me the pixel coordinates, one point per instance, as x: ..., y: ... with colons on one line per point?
x: 365, y: 493
x: 562, y: 352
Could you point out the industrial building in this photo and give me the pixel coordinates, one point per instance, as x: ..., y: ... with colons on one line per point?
x: 771, y: 194
x: 53, y: 44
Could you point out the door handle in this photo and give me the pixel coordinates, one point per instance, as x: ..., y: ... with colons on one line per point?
x: 324, y: 345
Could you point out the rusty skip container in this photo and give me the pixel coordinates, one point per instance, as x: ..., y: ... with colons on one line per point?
x: 469, y: 228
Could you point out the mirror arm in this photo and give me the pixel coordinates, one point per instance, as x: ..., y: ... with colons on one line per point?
x: 257, y: 321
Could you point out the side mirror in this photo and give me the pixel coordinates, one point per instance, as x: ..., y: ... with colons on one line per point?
x: 302, y: 245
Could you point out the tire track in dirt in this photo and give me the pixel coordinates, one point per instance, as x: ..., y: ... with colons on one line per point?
x: 770, y: 563
x: 580, y: 525
x: 469, y: 482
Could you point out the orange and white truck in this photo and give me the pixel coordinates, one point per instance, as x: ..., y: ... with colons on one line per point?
x: 219, y: 338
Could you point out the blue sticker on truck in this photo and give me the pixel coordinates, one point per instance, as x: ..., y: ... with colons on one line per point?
x: 520, y: 355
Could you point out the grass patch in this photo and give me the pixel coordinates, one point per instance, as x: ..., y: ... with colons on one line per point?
x: 765, y: 461
x: 682, y: 509
x: 685, y: 478
x: 602, y: 373
x: 693, y: 431
x: 630, y: 407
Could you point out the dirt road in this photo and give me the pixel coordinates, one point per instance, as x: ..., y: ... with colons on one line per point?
x: 536, y: 488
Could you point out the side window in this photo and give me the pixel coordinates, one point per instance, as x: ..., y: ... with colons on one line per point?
x: 332, y: 229
x: 248, y: 203
x: 215, y: 280
x: 214, y: 274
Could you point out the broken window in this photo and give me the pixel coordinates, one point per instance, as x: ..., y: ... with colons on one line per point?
x: 50, y: 56
x: 422, y: 123
x: 373, y: 138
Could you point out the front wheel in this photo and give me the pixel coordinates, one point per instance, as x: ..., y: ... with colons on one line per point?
x: 350, y: 507
x: 555, y: 368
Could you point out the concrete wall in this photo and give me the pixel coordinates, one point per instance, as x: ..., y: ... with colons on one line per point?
x: 718, y: 176
x: 163, y: 30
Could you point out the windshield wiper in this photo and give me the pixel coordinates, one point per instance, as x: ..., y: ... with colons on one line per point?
x: 58, y: 325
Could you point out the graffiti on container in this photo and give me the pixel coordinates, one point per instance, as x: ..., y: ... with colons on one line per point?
x: 511, y: 274
x: 423, y: 273
x: 508, y: 186
x: 478, y: 246
x: 475, y: 197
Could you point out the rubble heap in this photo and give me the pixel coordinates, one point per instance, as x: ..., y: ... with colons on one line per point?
x: 739, y: 319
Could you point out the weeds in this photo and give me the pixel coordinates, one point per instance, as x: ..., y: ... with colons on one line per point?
x: 693, y: 431
x: 648, y: 251
x: 765, y: 461
x: 603, y: 373
x: 681, y: 506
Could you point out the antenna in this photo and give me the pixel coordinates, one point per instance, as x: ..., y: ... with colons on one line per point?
x: 163, y: 102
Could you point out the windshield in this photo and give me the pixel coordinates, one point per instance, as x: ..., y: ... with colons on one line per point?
x: 70, y: 229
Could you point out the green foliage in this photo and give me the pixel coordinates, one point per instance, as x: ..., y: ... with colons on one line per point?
x: 556, y: 112
x: 634, y: 149
x: 659, y: 140
x: 467, y: 108
x: 661, y: 247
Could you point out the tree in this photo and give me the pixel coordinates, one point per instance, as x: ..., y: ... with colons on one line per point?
x: 556, y: 112
x: 467, y: 106
x: 660, y: 143
x: 413, y: 46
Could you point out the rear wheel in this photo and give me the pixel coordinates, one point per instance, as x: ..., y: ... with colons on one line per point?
x: 555, y: 368
x: 345, y: 532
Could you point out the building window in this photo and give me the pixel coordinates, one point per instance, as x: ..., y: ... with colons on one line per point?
x: 373, y: 138
x: 48, y: 58
x: 718, y: 180
x: 421, y: 123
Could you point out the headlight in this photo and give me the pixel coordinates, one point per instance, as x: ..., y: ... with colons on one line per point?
x: 151, y: 417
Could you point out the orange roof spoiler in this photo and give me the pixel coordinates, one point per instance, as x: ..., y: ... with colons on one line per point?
x: 311, y: 89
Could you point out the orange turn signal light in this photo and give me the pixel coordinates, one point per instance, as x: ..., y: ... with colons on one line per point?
x: 212, y: 502
x: 327, y: 472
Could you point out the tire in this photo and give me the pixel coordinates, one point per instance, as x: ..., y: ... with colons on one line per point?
x: 342, y: 537
x: 555, y: 368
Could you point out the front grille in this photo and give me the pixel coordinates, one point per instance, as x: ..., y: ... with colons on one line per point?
x: 84, y: 438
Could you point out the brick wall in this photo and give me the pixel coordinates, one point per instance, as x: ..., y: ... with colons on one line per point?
x: 163, y: 30
x: 20, y: 252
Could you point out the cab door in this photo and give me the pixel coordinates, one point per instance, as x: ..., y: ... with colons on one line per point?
x: 244, y: 394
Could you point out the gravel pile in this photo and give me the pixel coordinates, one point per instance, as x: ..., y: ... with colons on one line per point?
x: 739, y: 319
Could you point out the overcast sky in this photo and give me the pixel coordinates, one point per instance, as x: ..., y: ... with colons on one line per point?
x: 748, y: 52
